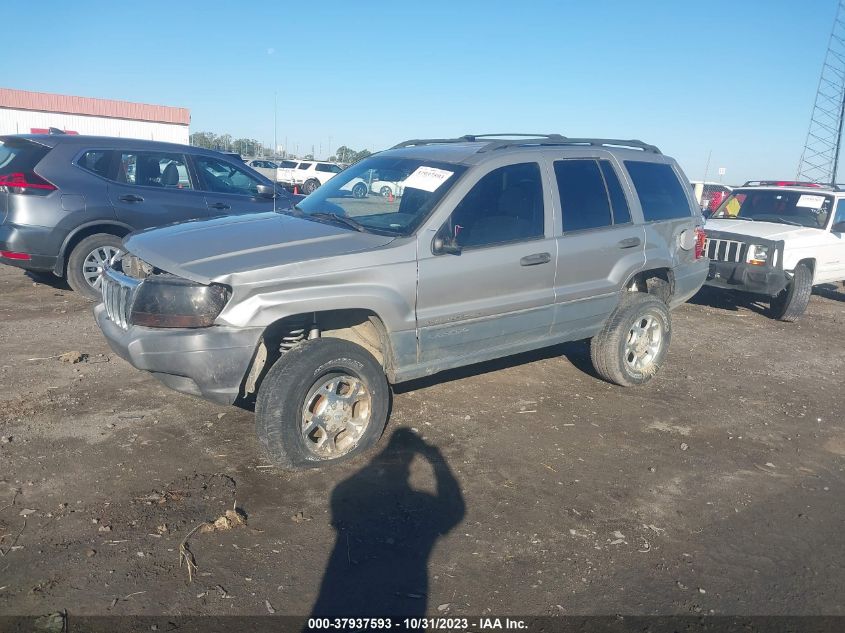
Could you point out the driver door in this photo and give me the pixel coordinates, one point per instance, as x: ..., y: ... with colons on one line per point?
x: 230, y: 189
x: 831, y: 264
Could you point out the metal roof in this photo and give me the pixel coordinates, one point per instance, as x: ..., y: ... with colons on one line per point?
x: 88, y: 106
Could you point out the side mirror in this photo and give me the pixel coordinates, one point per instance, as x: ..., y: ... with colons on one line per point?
x: 445, y: 246
x: 839, y: 227
x: 266, y: 191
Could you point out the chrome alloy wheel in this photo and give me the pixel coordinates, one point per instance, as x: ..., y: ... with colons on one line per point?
x: 335, y: 416
x: 95, y: 263
x: 643, y: 345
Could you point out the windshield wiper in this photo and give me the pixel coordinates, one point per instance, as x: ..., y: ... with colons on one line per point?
x: 341, y: 219
x: 780, y: 219
x: 736, y: 217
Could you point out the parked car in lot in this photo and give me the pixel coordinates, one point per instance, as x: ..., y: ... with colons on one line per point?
x: 66, y: 201
x: 496, y: 247
x: 778, y: 240
x: 387, y: 183
x: 266, y: 168
x: 307, y: 175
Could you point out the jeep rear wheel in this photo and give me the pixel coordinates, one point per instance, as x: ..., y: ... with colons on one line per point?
x: 324, y: 401
x: 359, y: 190
x: 632, y: 345
x: 310, y: 186
x: 87, y: 261
x: 792, y: 300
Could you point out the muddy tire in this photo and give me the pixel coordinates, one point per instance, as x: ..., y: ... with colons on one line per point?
x: 86, y: 261
x: 323, y: 402
x: 792, y: 300
x: 632, y: 345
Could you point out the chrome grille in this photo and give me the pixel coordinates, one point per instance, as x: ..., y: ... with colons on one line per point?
x: 118, y: 292
x: 725, y: 250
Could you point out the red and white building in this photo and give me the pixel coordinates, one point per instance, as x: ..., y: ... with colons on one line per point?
x: 25, y: 112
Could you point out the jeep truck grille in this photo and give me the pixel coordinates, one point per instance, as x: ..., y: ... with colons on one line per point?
x: 725, y: 250
x: 118, y: 292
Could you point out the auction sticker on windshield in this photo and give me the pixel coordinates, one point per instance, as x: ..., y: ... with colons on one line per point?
x: 427, y: 178
x: 812, y: 202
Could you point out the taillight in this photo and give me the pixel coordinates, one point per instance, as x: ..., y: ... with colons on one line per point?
x: 26, y: 183
x: 700, y: 238
x: 13, y: 255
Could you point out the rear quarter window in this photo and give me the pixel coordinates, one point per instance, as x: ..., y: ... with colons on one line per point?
x: 661, y: 194
x: 20, y: 155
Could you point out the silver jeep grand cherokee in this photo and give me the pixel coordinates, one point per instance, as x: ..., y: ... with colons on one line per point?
x: 490, y: 247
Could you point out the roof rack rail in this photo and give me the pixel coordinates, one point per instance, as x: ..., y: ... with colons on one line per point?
x: 495, y: 141
x: 792, y: 183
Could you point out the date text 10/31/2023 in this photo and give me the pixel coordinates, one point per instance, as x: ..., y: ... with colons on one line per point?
x: 444, y: 624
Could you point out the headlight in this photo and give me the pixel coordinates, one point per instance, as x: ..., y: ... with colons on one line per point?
x: 758, y: 255
x: 175, y: 302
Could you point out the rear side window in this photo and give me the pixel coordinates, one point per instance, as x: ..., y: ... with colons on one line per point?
x: 583, y: 197
x: 661, y: 194
x: 96, y: 161
x: 154, y: 169
x: 304, y: 165
x: 287, y: 164
x: 20, y: 156
x: 334, y: 169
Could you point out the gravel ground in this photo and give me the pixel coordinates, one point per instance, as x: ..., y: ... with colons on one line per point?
x: 524, y: 486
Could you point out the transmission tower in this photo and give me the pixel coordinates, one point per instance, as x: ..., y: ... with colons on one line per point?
x: 820, y: 158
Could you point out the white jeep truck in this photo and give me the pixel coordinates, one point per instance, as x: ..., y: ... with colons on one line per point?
x: 778, y: 239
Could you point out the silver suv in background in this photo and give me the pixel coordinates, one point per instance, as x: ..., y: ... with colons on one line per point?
x: 496, y: 246
x: 66, y: 201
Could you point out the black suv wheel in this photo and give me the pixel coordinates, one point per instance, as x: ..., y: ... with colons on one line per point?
x: 87, y: 260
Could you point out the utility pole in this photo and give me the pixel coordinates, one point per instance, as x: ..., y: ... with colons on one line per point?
x: 820, y: 158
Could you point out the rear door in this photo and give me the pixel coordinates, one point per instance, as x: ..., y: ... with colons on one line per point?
x: 834, y: 249
x: 152, y: 188
x: 599, y: 246
x: 229, y: 188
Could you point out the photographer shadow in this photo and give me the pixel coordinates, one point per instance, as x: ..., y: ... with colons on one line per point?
x: 386, y: 531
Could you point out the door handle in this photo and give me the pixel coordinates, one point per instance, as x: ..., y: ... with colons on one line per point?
x: 630, y: 242
x: 536, y: 258
x: 219, y: 205
x: 131, y: 197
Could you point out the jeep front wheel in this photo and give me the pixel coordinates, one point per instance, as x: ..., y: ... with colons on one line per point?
x: 322, y: 402
x: 632, y: 345
x: 792, y: 300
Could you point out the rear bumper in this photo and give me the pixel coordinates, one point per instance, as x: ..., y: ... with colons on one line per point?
x: 208, y: 362
x: 688, y: 280
x: 746, y: 278
x: 32, y: 240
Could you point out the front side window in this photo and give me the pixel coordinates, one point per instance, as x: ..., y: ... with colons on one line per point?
x: 304, y: 166
x: 96, y: 161
x: 780, y: 206
x: 223, y: 177
x: 583, y: 196
x: 288, y: 164
x: 661, y: 194
x: 153, y: 169
x: 840, y: 212
x: 506, y: 205
x: 350, y: 195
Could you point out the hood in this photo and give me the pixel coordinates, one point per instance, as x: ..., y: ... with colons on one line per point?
x: 766, y: 230
x: 206, y: 250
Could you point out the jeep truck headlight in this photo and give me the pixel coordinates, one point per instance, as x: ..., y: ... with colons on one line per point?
x: 164, y: 301
x: 758, y: 255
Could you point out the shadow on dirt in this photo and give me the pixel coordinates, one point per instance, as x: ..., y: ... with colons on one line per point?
x: 47, y: 279
x: 830, y: 291
x: 385, y: 533
x: 730, y: 300
x: 576, y: 352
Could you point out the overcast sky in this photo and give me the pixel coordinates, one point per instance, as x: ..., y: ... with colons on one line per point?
x: 733, y: 77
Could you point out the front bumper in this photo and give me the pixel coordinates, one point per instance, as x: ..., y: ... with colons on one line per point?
x: 206, y: 362
x: 762, y: 280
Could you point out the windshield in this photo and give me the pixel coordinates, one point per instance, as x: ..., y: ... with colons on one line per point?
x: 396, y: 206
x: 783, y: 207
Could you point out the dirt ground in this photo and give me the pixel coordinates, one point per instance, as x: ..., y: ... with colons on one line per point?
x: 526, y: 486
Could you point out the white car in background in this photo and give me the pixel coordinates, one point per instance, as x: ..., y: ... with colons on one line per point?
x: 307, y: 175
x: 265, y: 168
x: 386, y: 183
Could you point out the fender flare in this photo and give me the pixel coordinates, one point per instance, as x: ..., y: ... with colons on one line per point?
x: 60, y: 259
